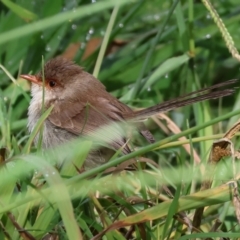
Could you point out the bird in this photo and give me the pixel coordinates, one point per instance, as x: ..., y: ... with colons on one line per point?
x: 82, y: 105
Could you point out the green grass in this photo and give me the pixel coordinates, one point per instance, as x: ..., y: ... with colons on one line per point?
x: 151, y: 51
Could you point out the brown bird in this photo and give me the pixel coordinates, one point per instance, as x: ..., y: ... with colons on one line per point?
x: 82, y: 105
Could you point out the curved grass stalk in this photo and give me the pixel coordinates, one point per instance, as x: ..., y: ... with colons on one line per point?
x: 226, y: 35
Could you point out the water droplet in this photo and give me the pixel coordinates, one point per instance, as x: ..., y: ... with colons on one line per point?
x: 208, y: 16
x: 64, y: 9
x: 59, y: 37
x: 5, y: 99
x: 208, y: 36
x: 93, y: 1
x: 46, y: 175
x: 42, y: 36
x: 149, y: 89
x: 102, y: 32
x: 120, y: 25
x: 166, y: 75
x: 74, y: 10
x: 91, y: 30
x: 48, y: 48
x: 74, y: 27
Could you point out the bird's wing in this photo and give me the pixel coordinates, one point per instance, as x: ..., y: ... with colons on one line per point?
x: 85, y: 118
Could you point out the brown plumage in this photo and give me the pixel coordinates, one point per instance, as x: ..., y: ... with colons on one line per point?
x: 82, y: 105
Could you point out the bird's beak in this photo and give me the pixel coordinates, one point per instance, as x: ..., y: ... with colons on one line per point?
x: 31, y: 78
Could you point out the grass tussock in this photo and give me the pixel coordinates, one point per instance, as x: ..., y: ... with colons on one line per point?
x: 144, y: 52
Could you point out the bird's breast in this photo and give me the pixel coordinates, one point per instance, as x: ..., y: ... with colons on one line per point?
x: 52, y: 135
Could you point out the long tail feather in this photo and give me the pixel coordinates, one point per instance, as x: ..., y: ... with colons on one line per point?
x: 186, y: 100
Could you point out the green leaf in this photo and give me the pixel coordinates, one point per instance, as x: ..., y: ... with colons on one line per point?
x: 200, y: 199
x: 58, y: 19
x: 20, y: 11
x: 166, y: 67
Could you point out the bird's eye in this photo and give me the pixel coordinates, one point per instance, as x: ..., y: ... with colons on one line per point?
x: 52, y: 83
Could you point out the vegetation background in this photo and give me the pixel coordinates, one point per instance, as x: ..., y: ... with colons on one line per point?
x: 155, y: 51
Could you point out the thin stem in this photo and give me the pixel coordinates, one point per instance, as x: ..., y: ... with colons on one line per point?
x: 154, y: 42
x: 105, y: 41
x: 150, y: 147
